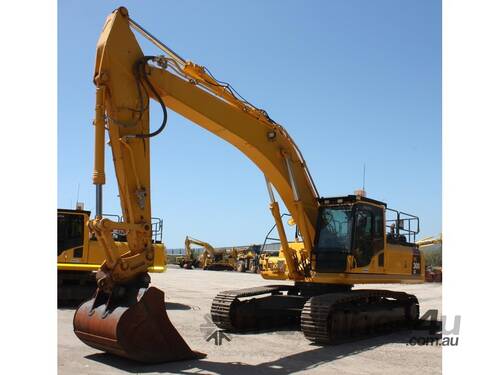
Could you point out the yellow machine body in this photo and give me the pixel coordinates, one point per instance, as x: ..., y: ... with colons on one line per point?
x: 94, y: 257
x: 393, y: 262
x: 398, y: 268
x: 89, y: 256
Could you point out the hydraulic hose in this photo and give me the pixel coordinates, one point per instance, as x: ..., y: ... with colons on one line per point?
x: 142, y: 75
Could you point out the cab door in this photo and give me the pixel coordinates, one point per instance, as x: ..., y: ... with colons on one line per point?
x: 368, y: 234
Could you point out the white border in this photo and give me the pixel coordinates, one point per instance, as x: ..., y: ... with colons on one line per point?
x: 28, y: 187
x: 471, y: 118
x: 471, y: 114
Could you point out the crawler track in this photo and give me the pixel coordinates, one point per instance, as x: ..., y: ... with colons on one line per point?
x: 336, y: 317
x: 225, y: 305
x: 324, y: 317
x: 74, y: 287
x: 219, y: 267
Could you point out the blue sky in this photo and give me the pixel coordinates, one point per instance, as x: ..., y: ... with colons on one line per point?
x: 353, y: 82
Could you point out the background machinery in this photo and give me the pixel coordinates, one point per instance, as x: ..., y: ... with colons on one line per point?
x: 188, y: 260
x: 432, y: 250
x: 212, y: 259
x: 343, y: 239
x: 247, y: 259
x: 79, y: 255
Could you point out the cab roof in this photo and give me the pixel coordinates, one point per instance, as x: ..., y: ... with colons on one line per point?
x: 348, y: 199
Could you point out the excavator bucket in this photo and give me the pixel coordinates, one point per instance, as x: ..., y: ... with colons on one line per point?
x: 131, y: 323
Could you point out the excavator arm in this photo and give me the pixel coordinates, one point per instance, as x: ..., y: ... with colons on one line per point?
x: 126, y: 118
x: 125, y: 80
x: 209, y: 248
x: 187, y: 248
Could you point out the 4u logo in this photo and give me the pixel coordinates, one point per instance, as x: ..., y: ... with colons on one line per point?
x: 439, y: 334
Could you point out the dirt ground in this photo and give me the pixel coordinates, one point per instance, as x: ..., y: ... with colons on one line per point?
x: 189, y: 294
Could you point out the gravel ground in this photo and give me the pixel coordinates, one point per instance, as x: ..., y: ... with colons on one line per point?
x: 189, y: 294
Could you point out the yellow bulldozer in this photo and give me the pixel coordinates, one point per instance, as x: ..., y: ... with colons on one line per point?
x: 343, y: 239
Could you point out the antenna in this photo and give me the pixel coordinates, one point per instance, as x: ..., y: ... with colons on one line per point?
x: 78, y: 205
x: 77, y: 193
x: 364, y: 172
x: 362, y: 192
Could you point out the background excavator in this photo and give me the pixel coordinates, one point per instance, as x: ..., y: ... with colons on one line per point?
x: 343, y: 239
x: 189, y: 260
x: 211, y: 259
x: 79, y: 255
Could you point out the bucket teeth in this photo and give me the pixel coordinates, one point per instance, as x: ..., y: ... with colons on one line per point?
x: 131, y: 324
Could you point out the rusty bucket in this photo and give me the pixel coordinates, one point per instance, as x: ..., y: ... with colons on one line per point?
x: 131, y: 323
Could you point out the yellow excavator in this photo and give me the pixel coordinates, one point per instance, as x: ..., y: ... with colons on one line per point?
x: 80, y: 255
x: 188, y: 260
x: 344, y: 240
x: 211, y: 259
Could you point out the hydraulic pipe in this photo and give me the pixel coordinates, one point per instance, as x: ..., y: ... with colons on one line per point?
x: 98, y: 201
x: 298, y: 204
x: 291, y: 177
x: 99, y: 177
x: 156, y: 42
x: 289, y: 258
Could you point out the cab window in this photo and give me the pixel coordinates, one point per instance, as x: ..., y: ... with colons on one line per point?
x: 69, y: 231
x: 335, y: 229
x: 368, y: 233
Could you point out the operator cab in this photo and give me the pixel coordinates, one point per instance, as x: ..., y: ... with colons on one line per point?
x: 72, y: 226
x: 71, y: 231
x: 356, y: 225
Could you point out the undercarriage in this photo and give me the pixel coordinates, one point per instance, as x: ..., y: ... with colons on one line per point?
x: 74, y: 287
x: 326, y: 314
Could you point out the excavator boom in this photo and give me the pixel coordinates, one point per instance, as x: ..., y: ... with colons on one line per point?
x: 125, y: 79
